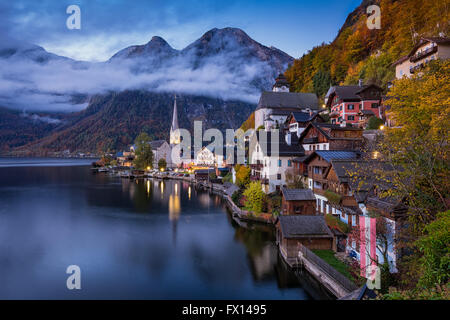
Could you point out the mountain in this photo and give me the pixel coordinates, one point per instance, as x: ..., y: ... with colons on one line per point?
x: 112, y: 121
x: 218, y: 78
x: 358, y: 52
x: 156, y: 47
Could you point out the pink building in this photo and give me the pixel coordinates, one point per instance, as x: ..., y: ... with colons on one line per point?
x: 347, y: 103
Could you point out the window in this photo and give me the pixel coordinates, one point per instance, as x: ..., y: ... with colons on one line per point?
x: 318, y: 147
x: 289, y: 163
x: 278, y: 176
x: 351, y: 107
x: 350, y: 117
x: 280, y: 162
x: 340, y: 108
x: 374, y: 105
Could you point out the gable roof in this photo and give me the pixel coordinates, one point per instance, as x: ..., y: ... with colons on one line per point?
x: 329, y: 155
x: 327, y: 128
x: 302, y: 116
x: 157, y: 143
x: 350, y: 93
x: 291, y: 100
x: 284, y: 150
x: 297, y: 194
x: 300, y: 226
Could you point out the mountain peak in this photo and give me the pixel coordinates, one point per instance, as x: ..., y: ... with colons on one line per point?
x: 156, y: 47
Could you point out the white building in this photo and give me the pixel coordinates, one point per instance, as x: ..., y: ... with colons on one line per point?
x: 271, y: 156
x: 280, y: 102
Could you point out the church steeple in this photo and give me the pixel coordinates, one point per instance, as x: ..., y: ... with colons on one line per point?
x: 174, y: 132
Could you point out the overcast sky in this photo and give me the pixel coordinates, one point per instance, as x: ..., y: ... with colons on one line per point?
x: 294, y: 26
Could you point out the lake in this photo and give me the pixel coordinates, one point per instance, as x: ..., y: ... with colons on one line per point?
x: 146, y: 239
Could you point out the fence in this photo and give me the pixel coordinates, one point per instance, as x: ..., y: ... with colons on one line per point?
x: 336, y: 275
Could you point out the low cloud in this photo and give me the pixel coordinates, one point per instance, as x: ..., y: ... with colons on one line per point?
x: 28, y: 83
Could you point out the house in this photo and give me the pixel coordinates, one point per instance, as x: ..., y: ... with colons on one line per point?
x: 318, y: 163
x: 345, y: 102
x: 298, y: 201
x: 281, y: 100
x: 296, y: 122
x: 426, y: 50
x: 125, y: 158
x: 205, y: 157
x: 271, y: 157
x: 310, y: 231
x: 325, y: 136
x: 203, y: 174
x: 161, y: 150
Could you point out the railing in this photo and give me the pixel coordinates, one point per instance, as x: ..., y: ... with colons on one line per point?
x: 423, y: 54
x: 336, y: 275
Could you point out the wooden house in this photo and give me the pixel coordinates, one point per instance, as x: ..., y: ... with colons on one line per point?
x: 310, y: 231
x: 325, y: 136
x: 298, y: 201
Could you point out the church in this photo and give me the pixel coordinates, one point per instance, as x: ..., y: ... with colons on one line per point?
x: 275, y: 106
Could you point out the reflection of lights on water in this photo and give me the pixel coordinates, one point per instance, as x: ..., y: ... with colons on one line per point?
x: 176, y: 189
x: 189, y: 192
x: 162, y: 189
x: 174, y: 207
x: 148, y: 187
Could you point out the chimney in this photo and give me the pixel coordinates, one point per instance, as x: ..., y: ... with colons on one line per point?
x: 360, y: 82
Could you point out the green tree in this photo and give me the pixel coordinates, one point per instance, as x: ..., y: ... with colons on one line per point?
x: 374, y: 123
x: 162, y: 164
x: 254, y: 197
x: 143, y: 151
x: 435, y: 249
x: 321, y: 82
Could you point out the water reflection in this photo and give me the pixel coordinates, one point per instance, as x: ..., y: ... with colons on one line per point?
x: 130, y: 239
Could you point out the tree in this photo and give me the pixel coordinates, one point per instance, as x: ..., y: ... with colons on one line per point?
x: 293, y: 181
x: 321, y: 82
x: 435, y: 249
x: 143, y: 151
x: 242, y: 175
x: 162, y: 164
x: 374, y: 123
x: 254, y: 197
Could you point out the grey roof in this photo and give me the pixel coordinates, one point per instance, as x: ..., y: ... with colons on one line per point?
x: 350, y: 93
x: 157, y: 143
x: 297, y: 194
x: 230, y: 188
x: 174, y: 125
x: 284, y: 150
x: 291, y: 100
x: 300, y: 226
x: 304, y: 116
x: 329, y: 155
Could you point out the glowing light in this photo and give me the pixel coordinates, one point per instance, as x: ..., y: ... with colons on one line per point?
x: 162, y: 169
x: 324, y: 106
x: 148, y: 168
x: 176, y: 189
x: 381, y: 127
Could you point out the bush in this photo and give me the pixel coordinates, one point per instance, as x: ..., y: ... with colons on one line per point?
x: 336, y: 223
x: 333, y: 197
x: 374, y: 123
x: 255, y: 197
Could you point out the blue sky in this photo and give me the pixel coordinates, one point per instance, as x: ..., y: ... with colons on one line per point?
x: 294, y: 26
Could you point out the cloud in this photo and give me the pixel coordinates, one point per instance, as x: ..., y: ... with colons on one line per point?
x: 51, y: 86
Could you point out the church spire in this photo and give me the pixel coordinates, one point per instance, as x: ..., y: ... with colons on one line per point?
x: 174, y: 132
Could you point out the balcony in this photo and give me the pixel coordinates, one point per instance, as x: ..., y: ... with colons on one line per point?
x: 420, y: 55
x: 256, y: 166
x: 334, y: 114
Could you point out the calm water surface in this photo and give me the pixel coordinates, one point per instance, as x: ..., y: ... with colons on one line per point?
x: 132, y: 240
